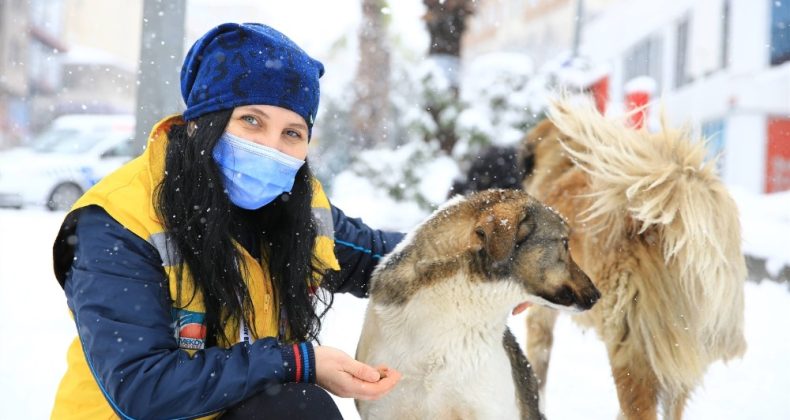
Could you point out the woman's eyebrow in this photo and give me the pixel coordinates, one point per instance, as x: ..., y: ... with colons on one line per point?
x: 265, y: 115
x: 298, y: 125
x: 257, y: 111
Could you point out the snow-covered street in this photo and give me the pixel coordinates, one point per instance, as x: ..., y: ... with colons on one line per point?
x: 36, y: 327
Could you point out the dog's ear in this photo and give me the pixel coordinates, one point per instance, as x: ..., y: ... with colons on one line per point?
x: 497, y: 236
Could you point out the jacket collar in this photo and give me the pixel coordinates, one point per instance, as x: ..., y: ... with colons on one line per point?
x: 155, y: 152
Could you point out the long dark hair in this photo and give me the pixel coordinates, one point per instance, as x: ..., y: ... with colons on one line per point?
x: 201, y: 223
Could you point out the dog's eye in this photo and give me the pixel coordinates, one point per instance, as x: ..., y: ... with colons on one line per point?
x: 565, y: 243
x: 481, y: 234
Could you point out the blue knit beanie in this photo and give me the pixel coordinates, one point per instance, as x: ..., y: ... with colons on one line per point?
x: 246, y: 64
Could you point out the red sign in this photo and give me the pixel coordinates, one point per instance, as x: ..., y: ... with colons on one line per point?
x: 777, y: 165
x: 636, y: 100
x: 600, y: 93
x: 637, y: 95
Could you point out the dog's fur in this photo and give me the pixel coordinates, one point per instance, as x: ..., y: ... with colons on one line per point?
x: 440, y: 302
x: 659, y: 235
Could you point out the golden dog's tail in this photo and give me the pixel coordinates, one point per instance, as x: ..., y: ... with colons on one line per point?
x: 658, y: 184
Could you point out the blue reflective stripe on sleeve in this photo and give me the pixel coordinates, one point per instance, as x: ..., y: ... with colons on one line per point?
x: 110, y: 400
x: 306, y: 362
x: 96, y: 378
x: 358, y: 248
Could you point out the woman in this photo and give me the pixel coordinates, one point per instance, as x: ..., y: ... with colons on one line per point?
x: 195, y: 272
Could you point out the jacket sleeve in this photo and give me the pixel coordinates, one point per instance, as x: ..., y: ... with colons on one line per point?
x: 118, y: 293
x: 358, y: 249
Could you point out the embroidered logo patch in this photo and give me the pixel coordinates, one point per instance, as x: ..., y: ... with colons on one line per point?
x: 190, y: 329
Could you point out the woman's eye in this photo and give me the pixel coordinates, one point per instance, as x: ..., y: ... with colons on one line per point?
x: 293, y: 134
x: 250, y: 119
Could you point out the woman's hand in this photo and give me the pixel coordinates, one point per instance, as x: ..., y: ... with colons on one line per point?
x: 343, y: 376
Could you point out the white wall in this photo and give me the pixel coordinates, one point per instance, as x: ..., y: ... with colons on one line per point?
x: 745, y: 150
x: 749, y: 51
x: 766, y: 91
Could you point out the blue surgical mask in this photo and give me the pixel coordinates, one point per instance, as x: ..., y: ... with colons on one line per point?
x: 253, y: 174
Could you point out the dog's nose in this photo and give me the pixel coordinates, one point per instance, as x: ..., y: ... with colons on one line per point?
x: 565, y: 296
x: 592, y: 297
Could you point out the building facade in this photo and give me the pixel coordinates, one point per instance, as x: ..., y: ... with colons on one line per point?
x: 721, y: 65
x: 541, y: 28
x: 13, y: 72
x: 100, y: 68
x: 31, y: 51
x: 64, y: 57
x: 44, y: 65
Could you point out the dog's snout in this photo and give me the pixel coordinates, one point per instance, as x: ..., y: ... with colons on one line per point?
x: 595, y: 297
x: 565, y: 296
x: 582, y: 299
x: 589, y: 298
x: 588, y: 293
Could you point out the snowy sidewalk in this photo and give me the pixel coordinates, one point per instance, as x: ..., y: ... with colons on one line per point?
x: 36, y: 330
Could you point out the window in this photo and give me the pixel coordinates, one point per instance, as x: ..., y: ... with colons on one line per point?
x: 713, y: 131
x: 681, y: 54
x: 644, y: 59
x: 725, y: 33
x: 780, y: 31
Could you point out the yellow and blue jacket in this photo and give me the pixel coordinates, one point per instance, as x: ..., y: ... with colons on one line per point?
x: 139, y: 354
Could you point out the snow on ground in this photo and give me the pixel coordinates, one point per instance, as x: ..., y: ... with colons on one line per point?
x: 36, y: 327
x: 579, y: 385
x: 765, y: 221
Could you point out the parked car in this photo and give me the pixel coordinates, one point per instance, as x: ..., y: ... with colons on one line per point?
x: 59, y: 165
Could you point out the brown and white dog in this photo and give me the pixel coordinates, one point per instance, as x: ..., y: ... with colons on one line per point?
x: 659, y: 235
x: 439, y: 304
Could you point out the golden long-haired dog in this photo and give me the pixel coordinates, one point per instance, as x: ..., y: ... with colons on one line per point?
x: 659, y: 235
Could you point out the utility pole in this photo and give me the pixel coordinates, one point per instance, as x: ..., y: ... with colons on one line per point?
x: 158, y: 71
x: 577, y: 27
